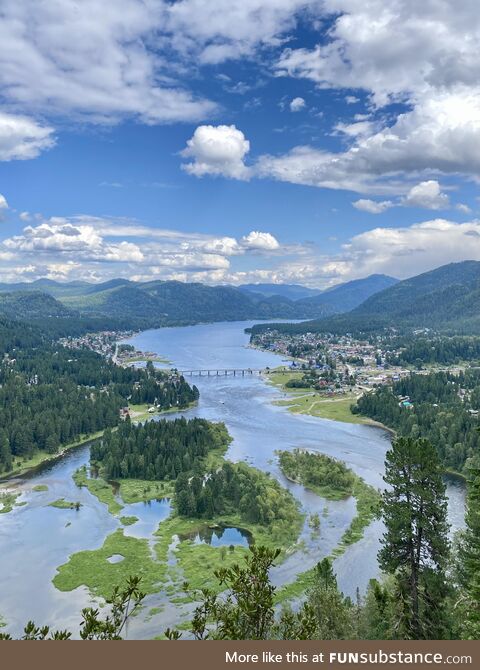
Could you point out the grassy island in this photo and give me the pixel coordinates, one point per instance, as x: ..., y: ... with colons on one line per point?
x: 183, y: 460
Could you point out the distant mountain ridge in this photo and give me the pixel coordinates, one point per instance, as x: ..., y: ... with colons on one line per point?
x: 290, y: 291
x: 447, y: 299
x: 167, y: 302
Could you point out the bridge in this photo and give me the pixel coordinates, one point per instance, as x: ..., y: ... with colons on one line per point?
x: 226, y: 372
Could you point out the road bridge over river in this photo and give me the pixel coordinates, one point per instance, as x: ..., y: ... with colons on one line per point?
x: 232, y: 372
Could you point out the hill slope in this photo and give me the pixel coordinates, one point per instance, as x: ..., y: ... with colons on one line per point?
x: 32, y: 305
x: 446, y: 299
x: 346, y: 297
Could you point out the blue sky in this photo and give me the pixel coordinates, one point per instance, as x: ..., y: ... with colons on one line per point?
x: 300, y: 141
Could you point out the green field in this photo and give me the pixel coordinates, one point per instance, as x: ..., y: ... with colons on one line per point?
x: 313, y: 403
x: 92, y: 568
x: 61, y: 503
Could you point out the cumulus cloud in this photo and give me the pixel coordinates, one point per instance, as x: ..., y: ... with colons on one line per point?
x: 372, y: 206
x: 22, y: 138
x: 404, y: 252
x: 427, y: 194
x: 217, y: 150
x: 422, y: 56
x: 96, y: 248
x: 260, y: 241
x: 92, y: 59
x: 297, y: 104
x: 108, y: 61
x: 3, y: 207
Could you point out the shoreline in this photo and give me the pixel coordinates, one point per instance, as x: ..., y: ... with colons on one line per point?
x: 291, y: 405
x: 48, y: 459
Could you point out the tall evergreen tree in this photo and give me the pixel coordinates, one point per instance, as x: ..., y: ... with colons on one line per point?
x: 469, y: 554
x: 415, y: 545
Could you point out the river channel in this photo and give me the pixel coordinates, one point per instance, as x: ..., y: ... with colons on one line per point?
x: 35, y: 539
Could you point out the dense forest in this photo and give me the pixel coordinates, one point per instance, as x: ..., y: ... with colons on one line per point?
x: 442, y: 350
x: 158, y: 450
x: 50, y: 395
x: 441, y: 407
x: 317, y: 471
x: 236, y: 489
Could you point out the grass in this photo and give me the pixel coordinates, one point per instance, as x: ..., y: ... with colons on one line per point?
x: 40, y: 487
x: 130, y: 490
x: 61, y: 503
x: 308, y: 401
x: 140, y: 412
x: 8, y: 501
x: 93, y: 570
x: 99, y: 488
x: 368, y: 508
x: 139, y: 490
x: 192, y: 559
x: 128, y: 520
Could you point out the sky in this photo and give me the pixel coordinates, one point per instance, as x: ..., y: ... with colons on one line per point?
x: 235, y: 141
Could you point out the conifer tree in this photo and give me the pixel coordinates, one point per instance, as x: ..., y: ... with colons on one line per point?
x: 469, y: 555
x: 415, y: 545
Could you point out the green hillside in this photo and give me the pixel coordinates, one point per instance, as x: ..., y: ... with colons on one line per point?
x: 446, y: 299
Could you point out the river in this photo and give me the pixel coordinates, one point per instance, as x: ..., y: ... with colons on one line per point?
x: 35, y: 538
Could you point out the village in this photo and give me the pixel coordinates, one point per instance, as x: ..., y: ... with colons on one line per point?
x: 339, y: 366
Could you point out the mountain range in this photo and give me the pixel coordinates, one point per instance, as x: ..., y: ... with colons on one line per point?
x: 446, y: 299
x: 174, y: 302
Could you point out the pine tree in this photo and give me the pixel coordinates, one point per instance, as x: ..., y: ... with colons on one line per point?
x: 469, y: 554
x: 415, y: 545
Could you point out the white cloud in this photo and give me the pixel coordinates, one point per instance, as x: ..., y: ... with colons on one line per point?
x: 297, y: 104
x: 421, y: 54
x: 215, y: 32
x: 465, y: 209
x: 87, y: 247
x: 428, y: 195
x: 22, y: 138
x: 92, y: 59
x: 217, y: 150
x: 392, y: 50
x: 405, y: 252
x: 260, y: 241
x: 108, y: 61
x: 372, y: 206
x: 440, y: 135
x: 3, y: 202
x: 25, y: 216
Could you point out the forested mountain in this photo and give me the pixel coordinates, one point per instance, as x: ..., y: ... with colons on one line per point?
x: 32, y: 304
x: 446, y: 299
x: 160, y: 303
x: 346, y: 297
x: 290, y: 291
